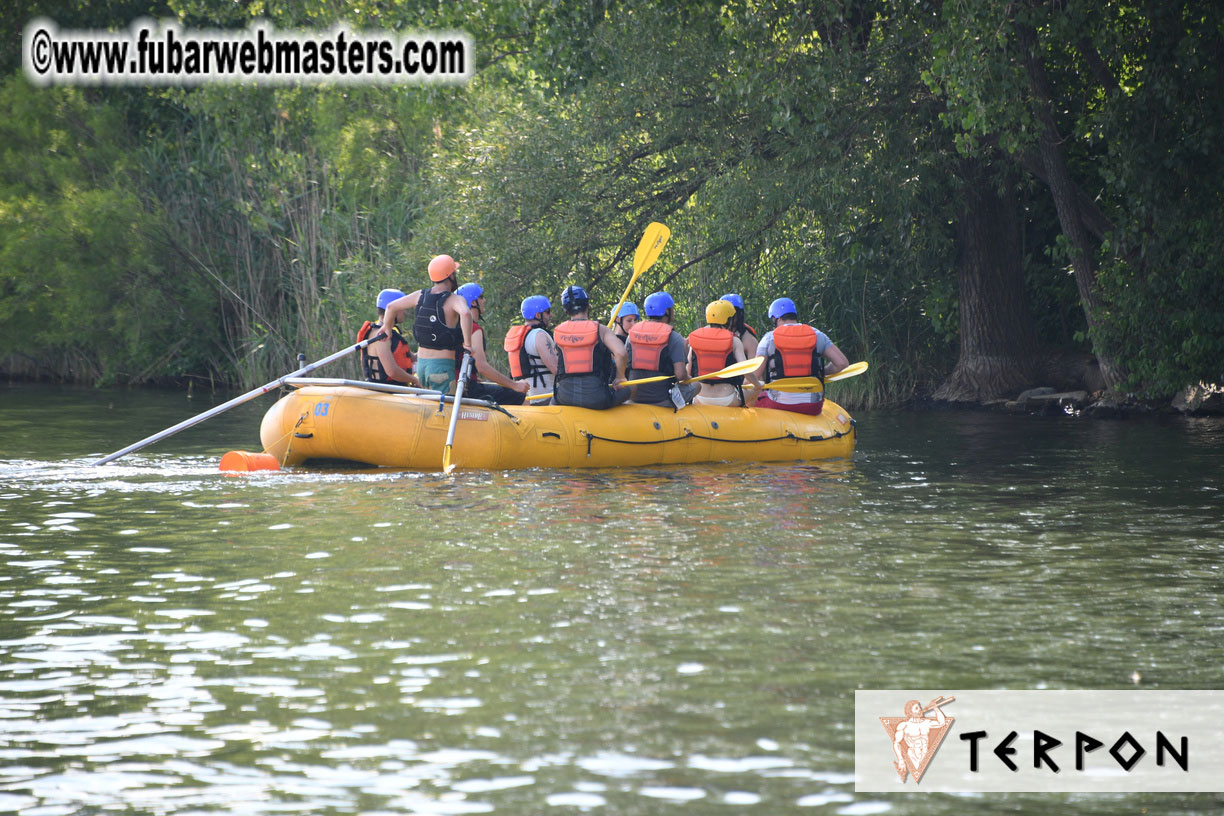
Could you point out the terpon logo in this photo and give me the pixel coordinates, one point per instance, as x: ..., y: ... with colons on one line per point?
x: 916, y: 737
x: 1039, y: 741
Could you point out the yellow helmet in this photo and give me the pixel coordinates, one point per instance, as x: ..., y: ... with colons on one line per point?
x: 720, y: 312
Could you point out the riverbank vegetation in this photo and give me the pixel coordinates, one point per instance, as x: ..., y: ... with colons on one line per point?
x: 976, y: 196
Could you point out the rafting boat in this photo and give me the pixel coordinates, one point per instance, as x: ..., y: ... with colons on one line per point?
x: 363, y: 423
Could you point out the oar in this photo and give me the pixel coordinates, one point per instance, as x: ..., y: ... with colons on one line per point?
x: 813, y: 383
x: 250, y: 395
x: 447, y: 466
x: 734, y: 370
x: 647, y: 253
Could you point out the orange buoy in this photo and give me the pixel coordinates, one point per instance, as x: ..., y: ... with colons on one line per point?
x: 242, y: 461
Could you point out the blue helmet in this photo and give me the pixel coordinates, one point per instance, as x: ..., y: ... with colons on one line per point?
x: 470, y: 292
x: 534, y: 304
x: 386, y: 296
x: 627, y: 310
x: 734, y: 300
x: 575, y: 300
x: 782, y: 307
x: 656, y: 305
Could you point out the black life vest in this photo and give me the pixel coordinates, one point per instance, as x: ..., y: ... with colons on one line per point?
x: 372, y: 367
x: 429, y: 327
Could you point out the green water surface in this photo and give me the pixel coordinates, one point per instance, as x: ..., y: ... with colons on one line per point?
x: 683, y: 639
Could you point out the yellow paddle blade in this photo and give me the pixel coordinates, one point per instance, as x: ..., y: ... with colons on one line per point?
x: 852, y: 370
x: 735, y: 370
x: 652, y: 243
x: 813, y: 383
x: 447, y: 465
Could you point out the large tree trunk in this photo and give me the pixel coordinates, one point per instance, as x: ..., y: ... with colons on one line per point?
x: 998, y: 338
x: 1066, y: 201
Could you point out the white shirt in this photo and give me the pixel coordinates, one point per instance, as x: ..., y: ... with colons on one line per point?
x: 529, y: 345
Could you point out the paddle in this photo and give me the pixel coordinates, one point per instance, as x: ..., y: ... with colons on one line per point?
x: 250, y: 395
x: 647, y: 253
x: 813, y: 383
x: 735, y: 370
x: 447, y: 465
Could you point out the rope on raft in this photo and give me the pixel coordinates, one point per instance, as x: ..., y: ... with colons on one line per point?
x: 590, y: 437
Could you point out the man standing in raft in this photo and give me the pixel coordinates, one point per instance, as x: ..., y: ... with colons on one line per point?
x: 591, y: 363
x: 443, y: 325
x: 795, y: 349
x: 500, y: 388
x: 388, y: 360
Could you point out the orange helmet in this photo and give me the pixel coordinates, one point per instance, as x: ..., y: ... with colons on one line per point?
x: 441, y: 268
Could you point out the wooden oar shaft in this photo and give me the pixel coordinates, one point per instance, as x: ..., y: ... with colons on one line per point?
x: 250, y: 395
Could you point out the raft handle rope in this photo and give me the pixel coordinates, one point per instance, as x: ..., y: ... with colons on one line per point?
x: 590, y: 437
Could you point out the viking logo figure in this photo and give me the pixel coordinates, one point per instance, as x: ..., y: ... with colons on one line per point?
x: 916, y: 737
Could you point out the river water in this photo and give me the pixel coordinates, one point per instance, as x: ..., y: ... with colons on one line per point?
x: 174, y: 640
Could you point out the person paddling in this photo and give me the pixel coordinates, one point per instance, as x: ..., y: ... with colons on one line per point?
x: 712, y: 348
x: 795, y: 349
x: 591, y: 363
x: 443, y: 325
x: 624, y: 319
x: 389, y: 360
x: 503, y: 390
x: 530, y: 347
x: 656, y: 348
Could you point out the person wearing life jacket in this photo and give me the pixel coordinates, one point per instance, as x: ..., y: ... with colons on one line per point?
x: 624, y: 319
x: 495, y: 386
x: 656, y: 348
x: 740, y: 327
x: 795, y: 349
x: 530, y: 347
x: 715, y: 347
x: 388, y: 360
x: 442, y: 327
x: 590, y: 359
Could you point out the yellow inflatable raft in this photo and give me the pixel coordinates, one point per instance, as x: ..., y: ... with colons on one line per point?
x: 352, y: 421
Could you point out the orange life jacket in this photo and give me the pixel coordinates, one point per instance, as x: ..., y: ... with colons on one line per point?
x: 712, y: 349
x: 371, y: 366
x: 522, y: 364
x: 581, y: 350
x: 795, y: 353
x: 648, y: 347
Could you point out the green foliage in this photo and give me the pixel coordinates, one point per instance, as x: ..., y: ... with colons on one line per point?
x: 82, y: 287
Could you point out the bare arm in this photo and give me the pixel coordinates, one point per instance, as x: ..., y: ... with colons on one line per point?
x: 457, y: 305
x: 741, y: 354
x: 617, y: 348
x: 837, y: 360
x: 546, y: 351
x: 398, y: 308
x: 485, y: 369
x: 383, y: 349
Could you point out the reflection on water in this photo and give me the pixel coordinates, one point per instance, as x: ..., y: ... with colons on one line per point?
x: 174, y: 640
